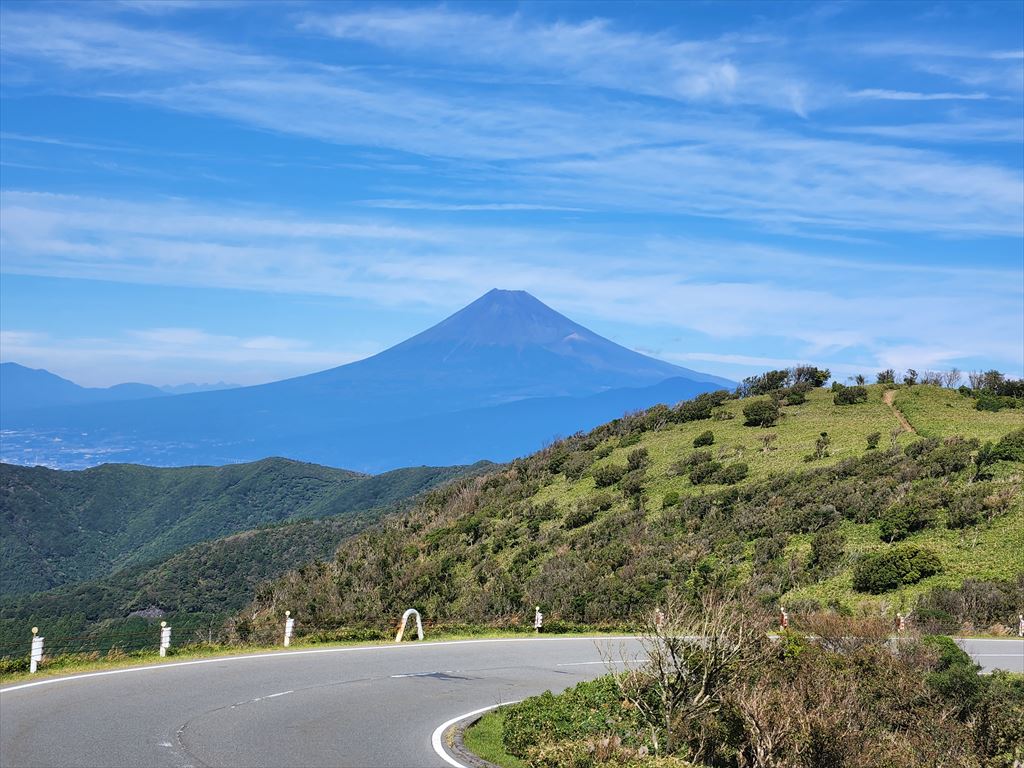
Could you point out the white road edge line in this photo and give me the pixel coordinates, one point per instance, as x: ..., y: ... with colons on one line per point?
x: 285, y: 654
x: 437, y: 739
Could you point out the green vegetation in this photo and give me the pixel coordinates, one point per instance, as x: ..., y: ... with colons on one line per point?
x: 66, y: 527
x: 484, y: 739
x: 642, y: 512
x: 196, y: 588
x: 832, y: 692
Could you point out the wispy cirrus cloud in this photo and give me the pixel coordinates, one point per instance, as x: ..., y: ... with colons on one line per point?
x: 884, y: 94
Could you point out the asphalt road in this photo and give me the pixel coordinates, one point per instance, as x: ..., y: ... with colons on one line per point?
x: 352, y: 707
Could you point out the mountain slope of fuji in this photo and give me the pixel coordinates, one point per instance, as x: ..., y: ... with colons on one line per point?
x: 396, y: 408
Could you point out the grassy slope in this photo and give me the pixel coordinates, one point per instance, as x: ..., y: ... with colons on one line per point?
x: 980, y: 552
x: 493, y: 548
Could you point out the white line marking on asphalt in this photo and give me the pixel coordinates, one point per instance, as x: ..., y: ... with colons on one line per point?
x: 613, y: 661
x: 275, y: 695
x: 437, y: 739
x: 286, y: 654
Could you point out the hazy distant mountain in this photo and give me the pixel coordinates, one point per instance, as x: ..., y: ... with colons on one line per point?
x: 22, y: 388
x: 190, y: 388
x: 414, y: 403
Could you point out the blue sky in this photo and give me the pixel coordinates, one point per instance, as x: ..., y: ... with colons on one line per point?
x: 205, y: 191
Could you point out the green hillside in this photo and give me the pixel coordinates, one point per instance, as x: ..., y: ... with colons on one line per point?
x: 201, y: 585
x: 595, y: 527
x: 64, y: 527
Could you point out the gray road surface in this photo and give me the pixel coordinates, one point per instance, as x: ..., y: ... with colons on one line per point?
x: 351, y: 707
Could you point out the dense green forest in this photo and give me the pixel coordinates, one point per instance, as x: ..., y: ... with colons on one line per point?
x: 64, y: 527
x: 796, y: 495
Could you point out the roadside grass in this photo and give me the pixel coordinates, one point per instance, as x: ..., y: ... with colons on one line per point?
x: 483, y: 739
x: 73, y: 664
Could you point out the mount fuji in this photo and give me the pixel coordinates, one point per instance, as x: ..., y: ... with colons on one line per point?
x: 492, y: 381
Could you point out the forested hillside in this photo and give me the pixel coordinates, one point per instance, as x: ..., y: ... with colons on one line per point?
x: 198, y: 587
x: 64, y: 527
x: 795, y: 494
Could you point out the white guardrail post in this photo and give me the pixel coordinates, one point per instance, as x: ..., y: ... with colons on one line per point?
x: 289, y: 627
x: 165, y: 638
x: 538, y: 620
x: 405, y: 618
x: 36, y: 655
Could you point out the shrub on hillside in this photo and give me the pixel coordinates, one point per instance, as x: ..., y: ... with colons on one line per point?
x: 901, y: 520
x: 705, y: 472
x: 1010, y: 447
x: 707, y: 437
x: 873, y: 439
x: 761, y: 413
x: 850, y: 395
x: 892, y: 568
x: 574, y: 467
x: 608, y: 474
x: 828, y: 546
x: 670, y: 499
x: 637, y: 459
x: 796, y: 397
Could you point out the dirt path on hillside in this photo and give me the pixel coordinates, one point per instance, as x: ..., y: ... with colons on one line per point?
x: 888, y: 397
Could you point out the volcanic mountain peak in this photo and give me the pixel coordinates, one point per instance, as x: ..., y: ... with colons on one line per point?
x: 503, y: 318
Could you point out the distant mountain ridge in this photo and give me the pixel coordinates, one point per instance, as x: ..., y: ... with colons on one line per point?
x: 396, y: 408
x: 22, y: 387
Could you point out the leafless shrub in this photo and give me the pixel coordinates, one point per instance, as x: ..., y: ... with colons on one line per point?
x: 694, y: 654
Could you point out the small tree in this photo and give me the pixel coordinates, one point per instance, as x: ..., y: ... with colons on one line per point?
x: 761, y: 413
x: 820, y: 448
x: 910, y: 377
x: 766, y: 442
x: 873, y: 440
x: 860, y: 380
x: 951, y: 378
x: 888, y: 376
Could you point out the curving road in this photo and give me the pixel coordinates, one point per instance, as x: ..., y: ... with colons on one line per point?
x: 354, y: 707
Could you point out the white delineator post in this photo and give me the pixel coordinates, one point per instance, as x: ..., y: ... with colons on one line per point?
x: 783, y: 618
x: 289, y: 626
x: 405, y: 618
x: 36, y: 654
x: 1020, y: 625
x: 538, y: 620
x: 165, y: 638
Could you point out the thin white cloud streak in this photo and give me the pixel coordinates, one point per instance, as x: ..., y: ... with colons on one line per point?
x: 663, y: 282
x: 883, y: 94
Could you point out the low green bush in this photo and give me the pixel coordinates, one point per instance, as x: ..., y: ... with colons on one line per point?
x: 707, y: 437
x: 892, y: 568
x: 590, y: 708
x: 608, y: 474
